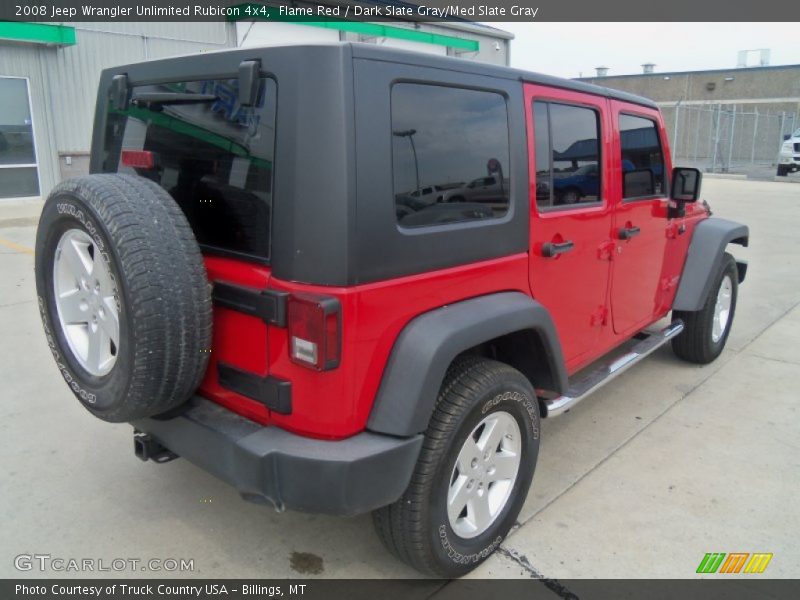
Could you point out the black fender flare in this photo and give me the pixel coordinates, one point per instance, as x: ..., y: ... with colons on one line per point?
x: 428, y: 344
x: 710, y: 238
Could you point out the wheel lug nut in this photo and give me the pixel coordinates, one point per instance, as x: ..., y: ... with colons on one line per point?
x: 474, y: 463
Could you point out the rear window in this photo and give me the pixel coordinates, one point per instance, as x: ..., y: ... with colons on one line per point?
x: 213, y: 155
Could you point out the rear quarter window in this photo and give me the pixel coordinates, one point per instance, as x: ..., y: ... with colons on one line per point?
x: 454, y: 141
x: 211, y: 154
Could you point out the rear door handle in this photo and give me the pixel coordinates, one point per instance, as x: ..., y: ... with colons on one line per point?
x: 627, y: 233
x: 550, y: 249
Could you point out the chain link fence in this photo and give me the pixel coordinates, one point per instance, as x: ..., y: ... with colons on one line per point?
x: 726, y: 138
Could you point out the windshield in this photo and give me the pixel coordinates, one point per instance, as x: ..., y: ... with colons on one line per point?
x: 213, y: 155
x: 796, y: 133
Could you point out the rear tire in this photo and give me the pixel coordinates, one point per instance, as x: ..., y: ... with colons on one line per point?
x: 706, y: 330
x: 487, y: 408
x: 123, y: 295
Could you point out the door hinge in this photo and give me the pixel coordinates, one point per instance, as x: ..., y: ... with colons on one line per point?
x: 605, y: 251
x: 268, y: 305
x: 674, y: 230
x: 599, y: 317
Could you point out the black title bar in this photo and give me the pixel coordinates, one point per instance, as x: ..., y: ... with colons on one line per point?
x: 66, y: 11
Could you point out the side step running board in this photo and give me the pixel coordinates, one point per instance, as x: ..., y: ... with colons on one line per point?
x: 598, y: 377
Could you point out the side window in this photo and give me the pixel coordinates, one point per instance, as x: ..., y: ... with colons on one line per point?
x: 454, y: 141
x: 642, y: 158
x: 544, y: 167
x: 567, y: 155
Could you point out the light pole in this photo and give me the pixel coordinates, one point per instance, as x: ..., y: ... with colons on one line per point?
x: 409, y: 133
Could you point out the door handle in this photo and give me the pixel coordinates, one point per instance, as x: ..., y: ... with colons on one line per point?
x: 550, y: 249
x: 627, y: 233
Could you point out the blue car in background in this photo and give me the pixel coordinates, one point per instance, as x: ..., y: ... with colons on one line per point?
x: 573, y: 187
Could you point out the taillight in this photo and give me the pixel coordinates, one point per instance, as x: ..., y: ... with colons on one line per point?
x: 315, y: 331
x: 138, y: 159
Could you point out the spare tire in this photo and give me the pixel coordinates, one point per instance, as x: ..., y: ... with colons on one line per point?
x: 123, y: 295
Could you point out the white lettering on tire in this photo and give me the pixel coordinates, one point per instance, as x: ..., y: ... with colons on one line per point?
x: 465, y: 559
x: 523, y: 400
x: 65, y: 372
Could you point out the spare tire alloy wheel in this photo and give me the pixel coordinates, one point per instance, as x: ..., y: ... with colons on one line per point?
x: 86, y: 302
x: 123, y: 295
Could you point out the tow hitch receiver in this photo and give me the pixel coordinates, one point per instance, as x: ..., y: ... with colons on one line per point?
x: 147, y: 448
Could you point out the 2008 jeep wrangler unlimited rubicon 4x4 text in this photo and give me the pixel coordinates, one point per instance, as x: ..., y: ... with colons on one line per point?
x: 346, y: 279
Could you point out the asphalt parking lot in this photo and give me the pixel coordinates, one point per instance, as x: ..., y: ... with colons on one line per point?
x: 666, y: 463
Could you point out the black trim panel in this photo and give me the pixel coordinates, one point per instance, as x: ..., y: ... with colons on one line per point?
x: 710, y: 238
x: 275, y: 394
x: 269, y: 305
x: 428, y: 344
x: 269, y: 465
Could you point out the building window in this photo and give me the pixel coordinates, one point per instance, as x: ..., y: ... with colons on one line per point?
x: 642, y: 158
x: 567, y: 155
x: 19, y: 175
x: 450, y: 154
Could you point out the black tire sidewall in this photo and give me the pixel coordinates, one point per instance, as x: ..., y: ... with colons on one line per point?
x: 105, y: 394
x: 514, y: 396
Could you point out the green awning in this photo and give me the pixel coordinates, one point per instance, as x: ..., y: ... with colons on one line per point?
x: 37, y: 33
x: 266, y: 13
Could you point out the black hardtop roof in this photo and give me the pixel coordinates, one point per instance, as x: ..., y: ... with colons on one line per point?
x: 380, y: 53
x: 374, y: 52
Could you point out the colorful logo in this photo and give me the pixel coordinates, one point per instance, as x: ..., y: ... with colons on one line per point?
x: 736, y: 562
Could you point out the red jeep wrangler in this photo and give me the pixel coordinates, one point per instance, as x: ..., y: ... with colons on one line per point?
x: 345, y: 279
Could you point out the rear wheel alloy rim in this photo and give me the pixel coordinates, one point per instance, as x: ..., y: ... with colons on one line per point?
x: 484, y: 474
x: 86, y: 302
x: 722, y: 309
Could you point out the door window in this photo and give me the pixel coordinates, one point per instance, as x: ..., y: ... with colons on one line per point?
x: 19, y: 175
x: 642, y: 158
x: 567, y: 155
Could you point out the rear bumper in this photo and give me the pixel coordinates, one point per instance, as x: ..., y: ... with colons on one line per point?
x: 270, y: 465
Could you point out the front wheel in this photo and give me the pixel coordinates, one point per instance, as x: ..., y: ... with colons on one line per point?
x: 706, y: 330
x: 782, y: 171
x: 473, y: 472
x: 570, y: 196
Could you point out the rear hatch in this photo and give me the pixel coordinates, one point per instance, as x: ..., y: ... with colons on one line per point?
x: 214, y: 156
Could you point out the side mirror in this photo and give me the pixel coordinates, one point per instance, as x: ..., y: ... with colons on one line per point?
x: 686, y: 184
x: 787, y: 136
